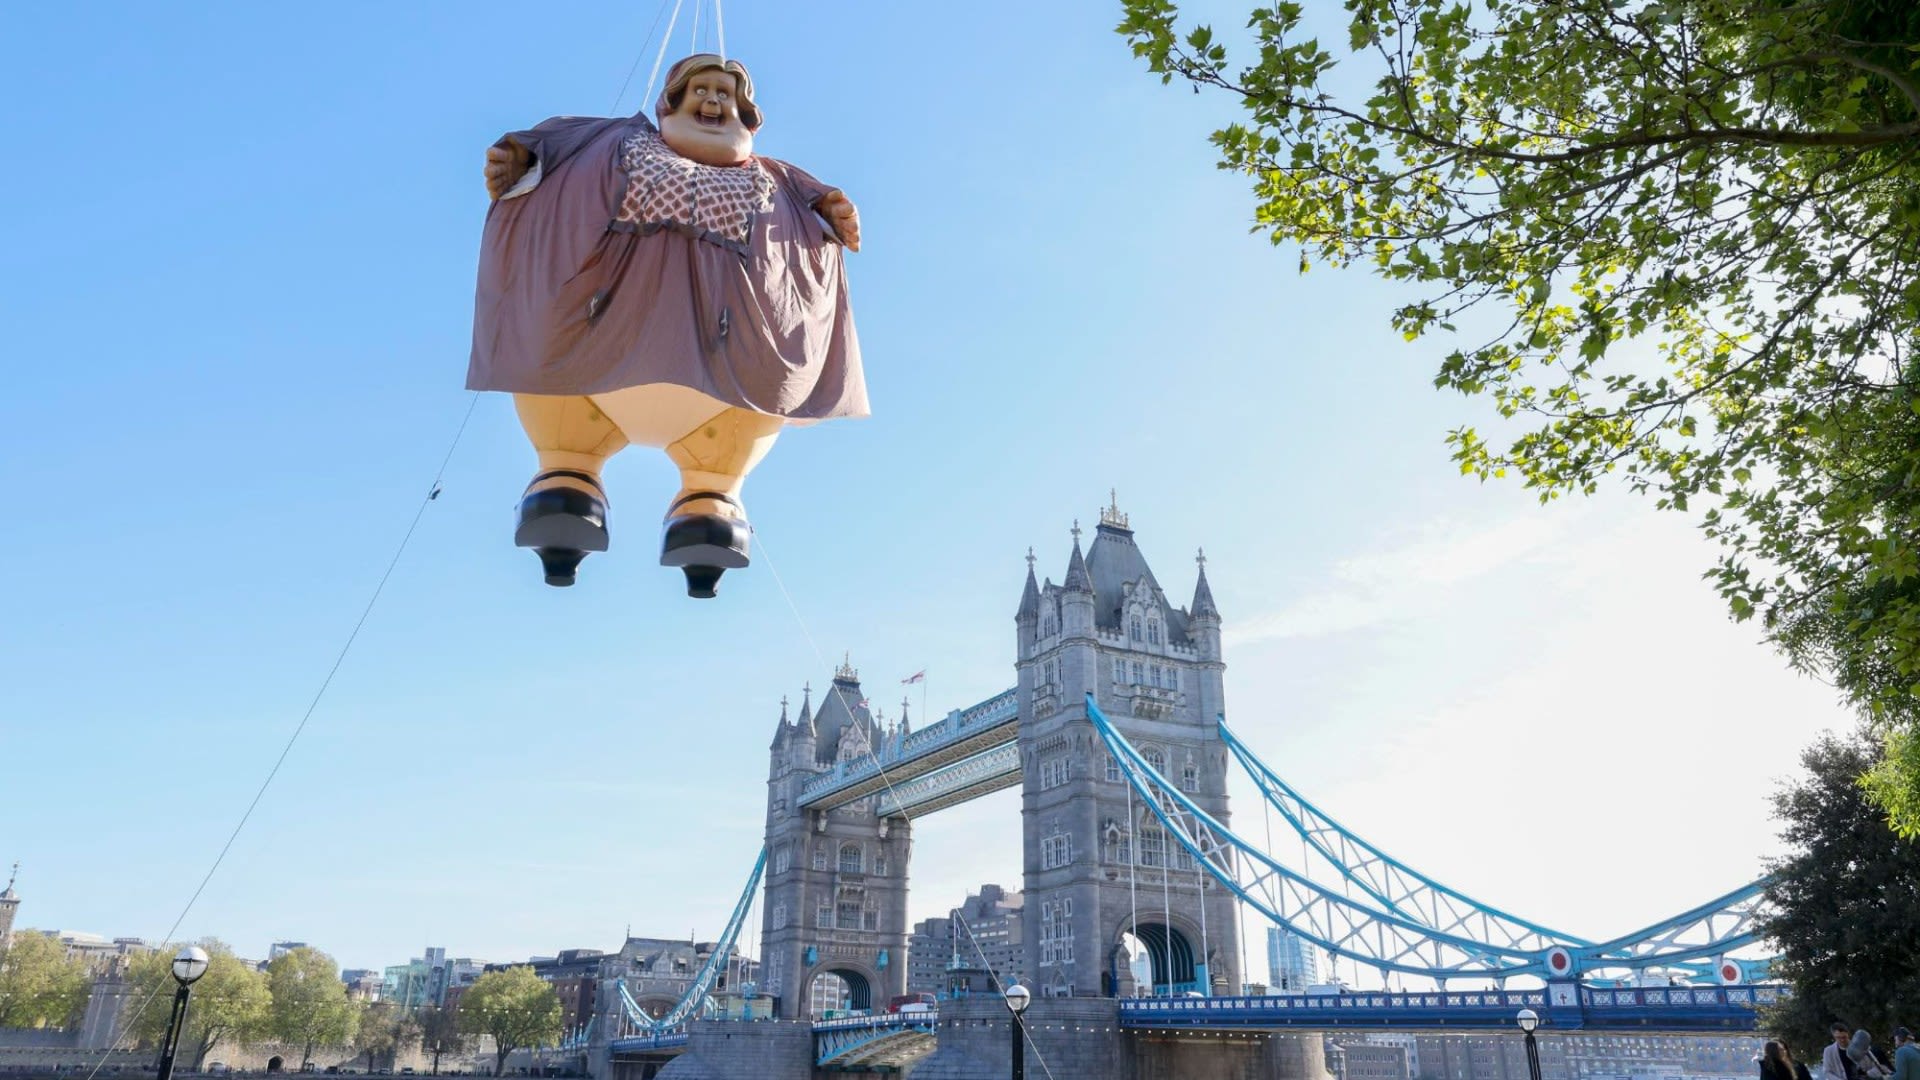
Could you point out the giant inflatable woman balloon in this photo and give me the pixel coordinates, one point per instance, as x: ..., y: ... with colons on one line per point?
x: 661, y: 286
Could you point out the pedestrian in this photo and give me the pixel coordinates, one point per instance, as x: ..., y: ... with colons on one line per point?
x: 1834, y: 1063
x: 1867, y: 1063
x: 1776, y: 1063
x: 1906, y: 1056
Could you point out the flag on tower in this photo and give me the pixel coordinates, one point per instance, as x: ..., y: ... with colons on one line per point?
x: 918, y: 676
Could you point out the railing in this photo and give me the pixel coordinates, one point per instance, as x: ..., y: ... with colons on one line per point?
x: 957, y: 725
x: 633, y: 1044
x: 850, y: 1038
x: 1002, y: 760
x: 878, y: 1020
x: 1639, y: 1008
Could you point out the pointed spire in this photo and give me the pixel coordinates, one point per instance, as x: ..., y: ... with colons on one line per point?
x: 782, y: 729
x: 1077, y: 578
x: 805, y: 723
x: 906, y: 728
x: 1202, y: 594
x: 1029, y: 596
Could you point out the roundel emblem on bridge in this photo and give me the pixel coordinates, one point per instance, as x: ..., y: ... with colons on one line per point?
x: 1730, y: 972
x: 1559, y: 962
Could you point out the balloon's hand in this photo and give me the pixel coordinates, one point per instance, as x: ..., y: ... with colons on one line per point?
x: 841, y: 214
x: 506, y: 164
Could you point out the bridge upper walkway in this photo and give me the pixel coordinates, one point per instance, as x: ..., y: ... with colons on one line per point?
x: 963, y: 756
x: 1663, y: 1008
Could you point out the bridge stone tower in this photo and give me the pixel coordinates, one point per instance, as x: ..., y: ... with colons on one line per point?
x: 1097, y: 862
x: 9, y: 904
x: 835, y: 897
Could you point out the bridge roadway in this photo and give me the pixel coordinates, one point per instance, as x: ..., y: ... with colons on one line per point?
x: 890, y: 1042
x: 1667, y: 1009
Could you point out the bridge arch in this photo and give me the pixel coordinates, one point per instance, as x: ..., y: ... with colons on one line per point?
x: 842, y: 987
x: 1174, y: 949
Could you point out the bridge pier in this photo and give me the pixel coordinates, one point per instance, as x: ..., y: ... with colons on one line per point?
x: 1082, y: 1037
x: 744, y: 1050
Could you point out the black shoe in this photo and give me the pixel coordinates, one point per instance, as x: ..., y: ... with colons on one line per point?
x: 563, y: 524
x: 704, y: 545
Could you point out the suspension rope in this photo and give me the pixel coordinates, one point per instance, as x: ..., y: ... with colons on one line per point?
x: 1206, y: 958
x: 1133, y: 888
x: 639, y: 55
x: 340, y: 657
x: 1001, y: 989
x: 662, y: 54
x: 720, y: 26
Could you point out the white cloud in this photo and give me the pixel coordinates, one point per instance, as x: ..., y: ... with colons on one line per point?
x: 1408, y: 579
x: 1561, y: 722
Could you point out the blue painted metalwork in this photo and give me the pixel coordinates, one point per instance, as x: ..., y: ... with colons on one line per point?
x: 1396, y: 886
x: 634, y: 1044
x: 846, y: 1039
x: 696, y: 999
x: 1387, y: 940
x: 1667, y: 1009
x: 896, y: 758
x: 1400, y: 889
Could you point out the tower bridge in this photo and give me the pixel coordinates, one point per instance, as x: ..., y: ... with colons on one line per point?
x: 1114, y: 733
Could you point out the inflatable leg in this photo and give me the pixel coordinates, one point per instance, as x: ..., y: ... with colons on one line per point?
x: 563, y: 514
x: 706, y: 531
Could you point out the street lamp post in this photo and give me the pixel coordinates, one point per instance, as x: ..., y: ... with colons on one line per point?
x: 188, y: 965
x: 1528, y: 1020
x: 1018, y: 998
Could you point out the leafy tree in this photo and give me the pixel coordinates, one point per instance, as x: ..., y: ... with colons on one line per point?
x: 516, y: 1007
x: 230, y: 1003
x: 39, y: 985
x: 310, y: 1004
x: 1845, y: 903
x: 383, y: 1029
x: 1675, y: 242
x: 439, y: 1033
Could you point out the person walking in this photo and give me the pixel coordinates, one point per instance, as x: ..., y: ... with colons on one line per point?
x: 1906, y: 1056
x: 1834, y: 1063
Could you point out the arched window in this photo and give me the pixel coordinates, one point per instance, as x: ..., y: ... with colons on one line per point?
x: 1153, y: 631
x: 1153, y: 846
x: 1189, y: 777
x: 1138, y: 674
x: 782, y: 859
x: 851, y: 860
x: 1156, y: 760
x: 1156, y: 674
x: 820, y: 857
x: 1135, y: 627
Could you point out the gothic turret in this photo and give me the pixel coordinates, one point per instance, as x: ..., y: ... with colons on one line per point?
x: 1202, y: 595
x: 783, y: 730
x: 1027, y: 619
x: 1077, y: 579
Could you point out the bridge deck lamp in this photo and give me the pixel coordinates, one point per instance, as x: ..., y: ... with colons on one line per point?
x: 188, y: 965
x: 1528, y: 1020
x: 1018, y: 998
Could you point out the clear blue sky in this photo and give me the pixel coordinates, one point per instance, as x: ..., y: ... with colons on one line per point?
x: 237, y: 280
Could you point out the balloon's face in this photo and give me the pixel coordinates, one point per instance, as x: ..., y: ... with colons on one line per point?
x: 706, y: 127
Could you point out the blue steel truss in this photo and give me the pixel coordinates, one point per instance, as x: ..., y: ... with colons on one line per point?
x: 696, y: 1000
x: 864, y: 1042
x: 1389, y: 940
x: 1402, y: 890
